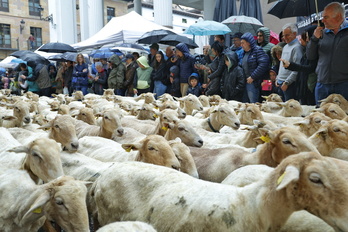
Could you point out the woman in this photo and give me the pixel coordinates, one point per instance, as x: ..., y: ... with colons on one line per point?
x: 217, y: 67
x: 80, y: 75
x: 158, y: 75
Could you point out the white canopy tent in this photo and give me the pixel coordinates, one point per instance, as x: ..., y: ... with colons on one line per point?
x: 127, y: 29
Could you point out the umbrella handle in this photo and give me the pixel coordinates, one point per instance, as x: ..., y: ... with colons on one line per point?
x: 316, y: 8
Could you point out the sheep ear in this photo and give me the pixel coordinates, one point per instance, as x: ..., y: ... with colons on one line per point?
x: 9, y: 117
x: 19, y: 149
x: 46, y: 126
x: 131, y: 146
x: 290, y: 174
x: 301, y: 123
x: 282, y: 104
x: 35, y: 210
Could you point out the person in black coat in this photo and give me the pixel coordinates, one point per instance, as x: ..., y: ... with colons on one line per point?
x: 233, y: 79
x: 174, y: 86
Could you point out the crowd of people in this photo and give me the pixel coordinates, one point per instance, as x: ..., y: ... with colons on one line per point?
x: 306, y: 67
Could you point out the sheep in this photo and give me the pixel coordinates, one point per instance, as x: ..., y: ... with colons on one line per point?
x: 337, y: 99
x: 111, y: 123
x: 147, y: 112
x: 171, y: 201
x: 26, y: 205
x: 64, y: 109
x: 273, y: 97
x: 21, y: 112
x: 127, y: 227
x: 291, y: 108
x: 41, y: 159
x: 300, y: 221
x: 60, y: 97
x: 332, y: 110
x: 311, y: 123
x: 148, y: 97
x: 8, y: 120
x: 331, y: 135
x: 185, y: 132
x: 77, y: 95
x: 153, y: 149
x: 247, y: 113
x: 86, y: 115
x: 166, y: 97
x: 191, y: 103
x: 215, y: 164
x: 204, y: 100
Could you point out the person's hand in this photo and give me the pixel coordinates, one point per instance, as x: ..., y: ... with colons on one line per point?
x: 286, y: 63
x: 284, y: 87
x: 23, y: 77
x: 84, y: 70
x: 173, y: 59
x: 318, y: 32
x: 96, y: 78
x: 250, y: 80
x: 135, y: 91
x: 204, y: 86
x: 171, y: 79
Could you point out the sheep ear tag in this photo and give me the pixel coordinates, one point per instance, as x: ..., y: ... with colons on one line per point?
x: 129, y: 149
x: 37, y: 210
x: 280, y: 179
x: 164, y: 128
x: 155, y: 115
x: 265, y: 139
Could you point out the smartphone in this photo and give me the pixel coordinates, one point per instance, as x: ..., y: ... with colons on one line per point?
x: 321, y: 24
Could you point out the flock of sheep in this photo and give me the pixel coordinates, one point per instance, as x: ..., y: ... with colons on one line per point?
x: 172, y: 164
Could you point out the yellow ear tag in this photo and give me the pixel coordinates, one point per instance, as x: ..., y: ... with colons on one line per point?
x: 129, y: 149
x: 237, y: 112
x: 155, y: 115
x: 280, y: 179
x: 266, y: 138
x: 164, y: 128
x: 301, y: 125
x: 156, y: 107
x: 37, y: 210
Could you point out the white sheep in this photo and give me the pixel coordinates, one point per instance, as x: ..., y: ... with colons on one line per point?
x: 127, y: 227
x: 171, y: 201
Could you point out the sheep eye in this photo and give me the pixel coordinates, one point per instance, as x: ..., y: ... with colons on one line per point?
x: 165, y: 118
x: 151, y: 148
x: 56, y: 126
x: 286, y: 141
x: 181, y: 128
x: 222, y: 111
x: 336, y: 129
x: 59, y: 202
x: 106, y: 117
x: 317, y: 120
x: 315, y: 178
x: 83, y: 114
x: 35, y: 155
x: 248, y: 110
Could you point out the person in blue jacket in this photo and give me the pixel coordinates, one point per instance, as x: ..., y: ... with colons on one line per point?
x: 80, y: 75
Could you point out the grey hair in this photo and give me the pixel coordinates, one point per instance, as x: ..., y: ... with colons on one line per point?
x: 98, y: 64
x: 291, y: 26
x: 337, y: 8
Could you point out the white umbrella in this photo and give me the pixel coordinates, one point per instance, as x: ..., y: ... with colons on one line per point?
x: 242, y: 23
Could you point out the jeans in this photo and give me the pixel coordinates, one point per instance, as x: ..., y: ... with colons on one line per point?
x: 159, y: 88
x: 120, y: 92
x: 83, y: 89
x: 324, y: 90
x: 253, y: 93
x: 290, y: 93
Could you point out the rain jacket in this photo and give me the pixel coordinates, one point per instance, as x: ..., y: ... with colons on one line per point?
x: 80, y: 77
x: 258, y: 61
x: 186, y: 64
x: 332, y: 54
x: 174, y: 88
x: 117, y: 74
x: 233, y: 79
x: 266, y: 45
x: 142, y: 78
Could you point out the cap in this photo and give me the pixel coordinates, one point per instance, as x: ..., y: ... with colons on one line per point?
x: 154, y: 46
x: 237, y: 35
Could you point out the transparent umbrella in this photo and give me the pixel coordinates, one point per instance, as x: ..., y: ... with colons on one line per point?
x: 208, y: 27
x: 242, y: 23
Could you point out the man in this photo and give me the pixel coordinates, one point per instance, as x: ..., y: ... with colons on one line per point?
x: 330, y: 47
x: 263, y: 37
x: 292, y: 52
x: 237, y: 45
x: 152, y: 56
x: 221, y: 40
x: 117, y: 75
x: 130, y: 71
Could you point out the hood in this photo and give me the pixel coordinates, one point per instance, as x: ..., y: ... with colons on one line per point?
x: 143, y: 60
x: 266, y: 33
x: 233, y: 58
x: 194, y: 76
x: 115, y: 59
x: 250, y: 39
x: 183, y: 48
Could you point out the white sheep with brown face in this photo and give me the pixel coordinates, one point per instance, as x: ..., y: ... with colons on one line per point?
x: 185, y: 203
x: 190, y: 103
x: 248, y: 112
x: 20, y: 111
x: 332, y: 110
x: 26, y: 205
x: 337, y: 99
x: 311, y: 123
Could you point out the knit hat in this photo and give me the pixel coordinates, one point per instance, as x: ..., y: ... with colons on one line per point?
x: 274, y: 69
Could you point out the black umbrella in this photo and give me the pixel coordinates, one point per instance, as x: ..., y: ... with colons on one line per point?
x: 57, y: 57
x: 130, y: 45
x: 175, y: 39
x: 154, y: 36
x: 57, y: 48
x: 292, y: 8
x: 31, y: 58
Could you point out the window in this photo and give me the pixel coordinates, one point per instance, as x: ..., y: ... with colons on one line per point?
x: 37, y: 33
x: 110, y: 13
x: 34, y: 6
x: 184, y: 20
x: 5, y: 36
x: 4, y: 5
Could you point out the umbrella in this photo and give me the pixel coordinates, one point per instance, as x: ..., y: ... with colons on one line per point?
x: 11, y: 62
x: 291, y: 8
x: 175, y: 39
x: 208, y: 27
x: 130, y: 45
x: 154, y: 36
x: 57, y: 57
x: 57, y: 47
x: 117, y: 51
x: 101, y: 53
x: 31, y: 58
x: 242, y: 23
x: 71, y: 56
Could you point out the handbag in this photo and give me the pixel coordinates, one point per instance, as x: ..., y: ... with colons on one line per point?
x: 266, y: 85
